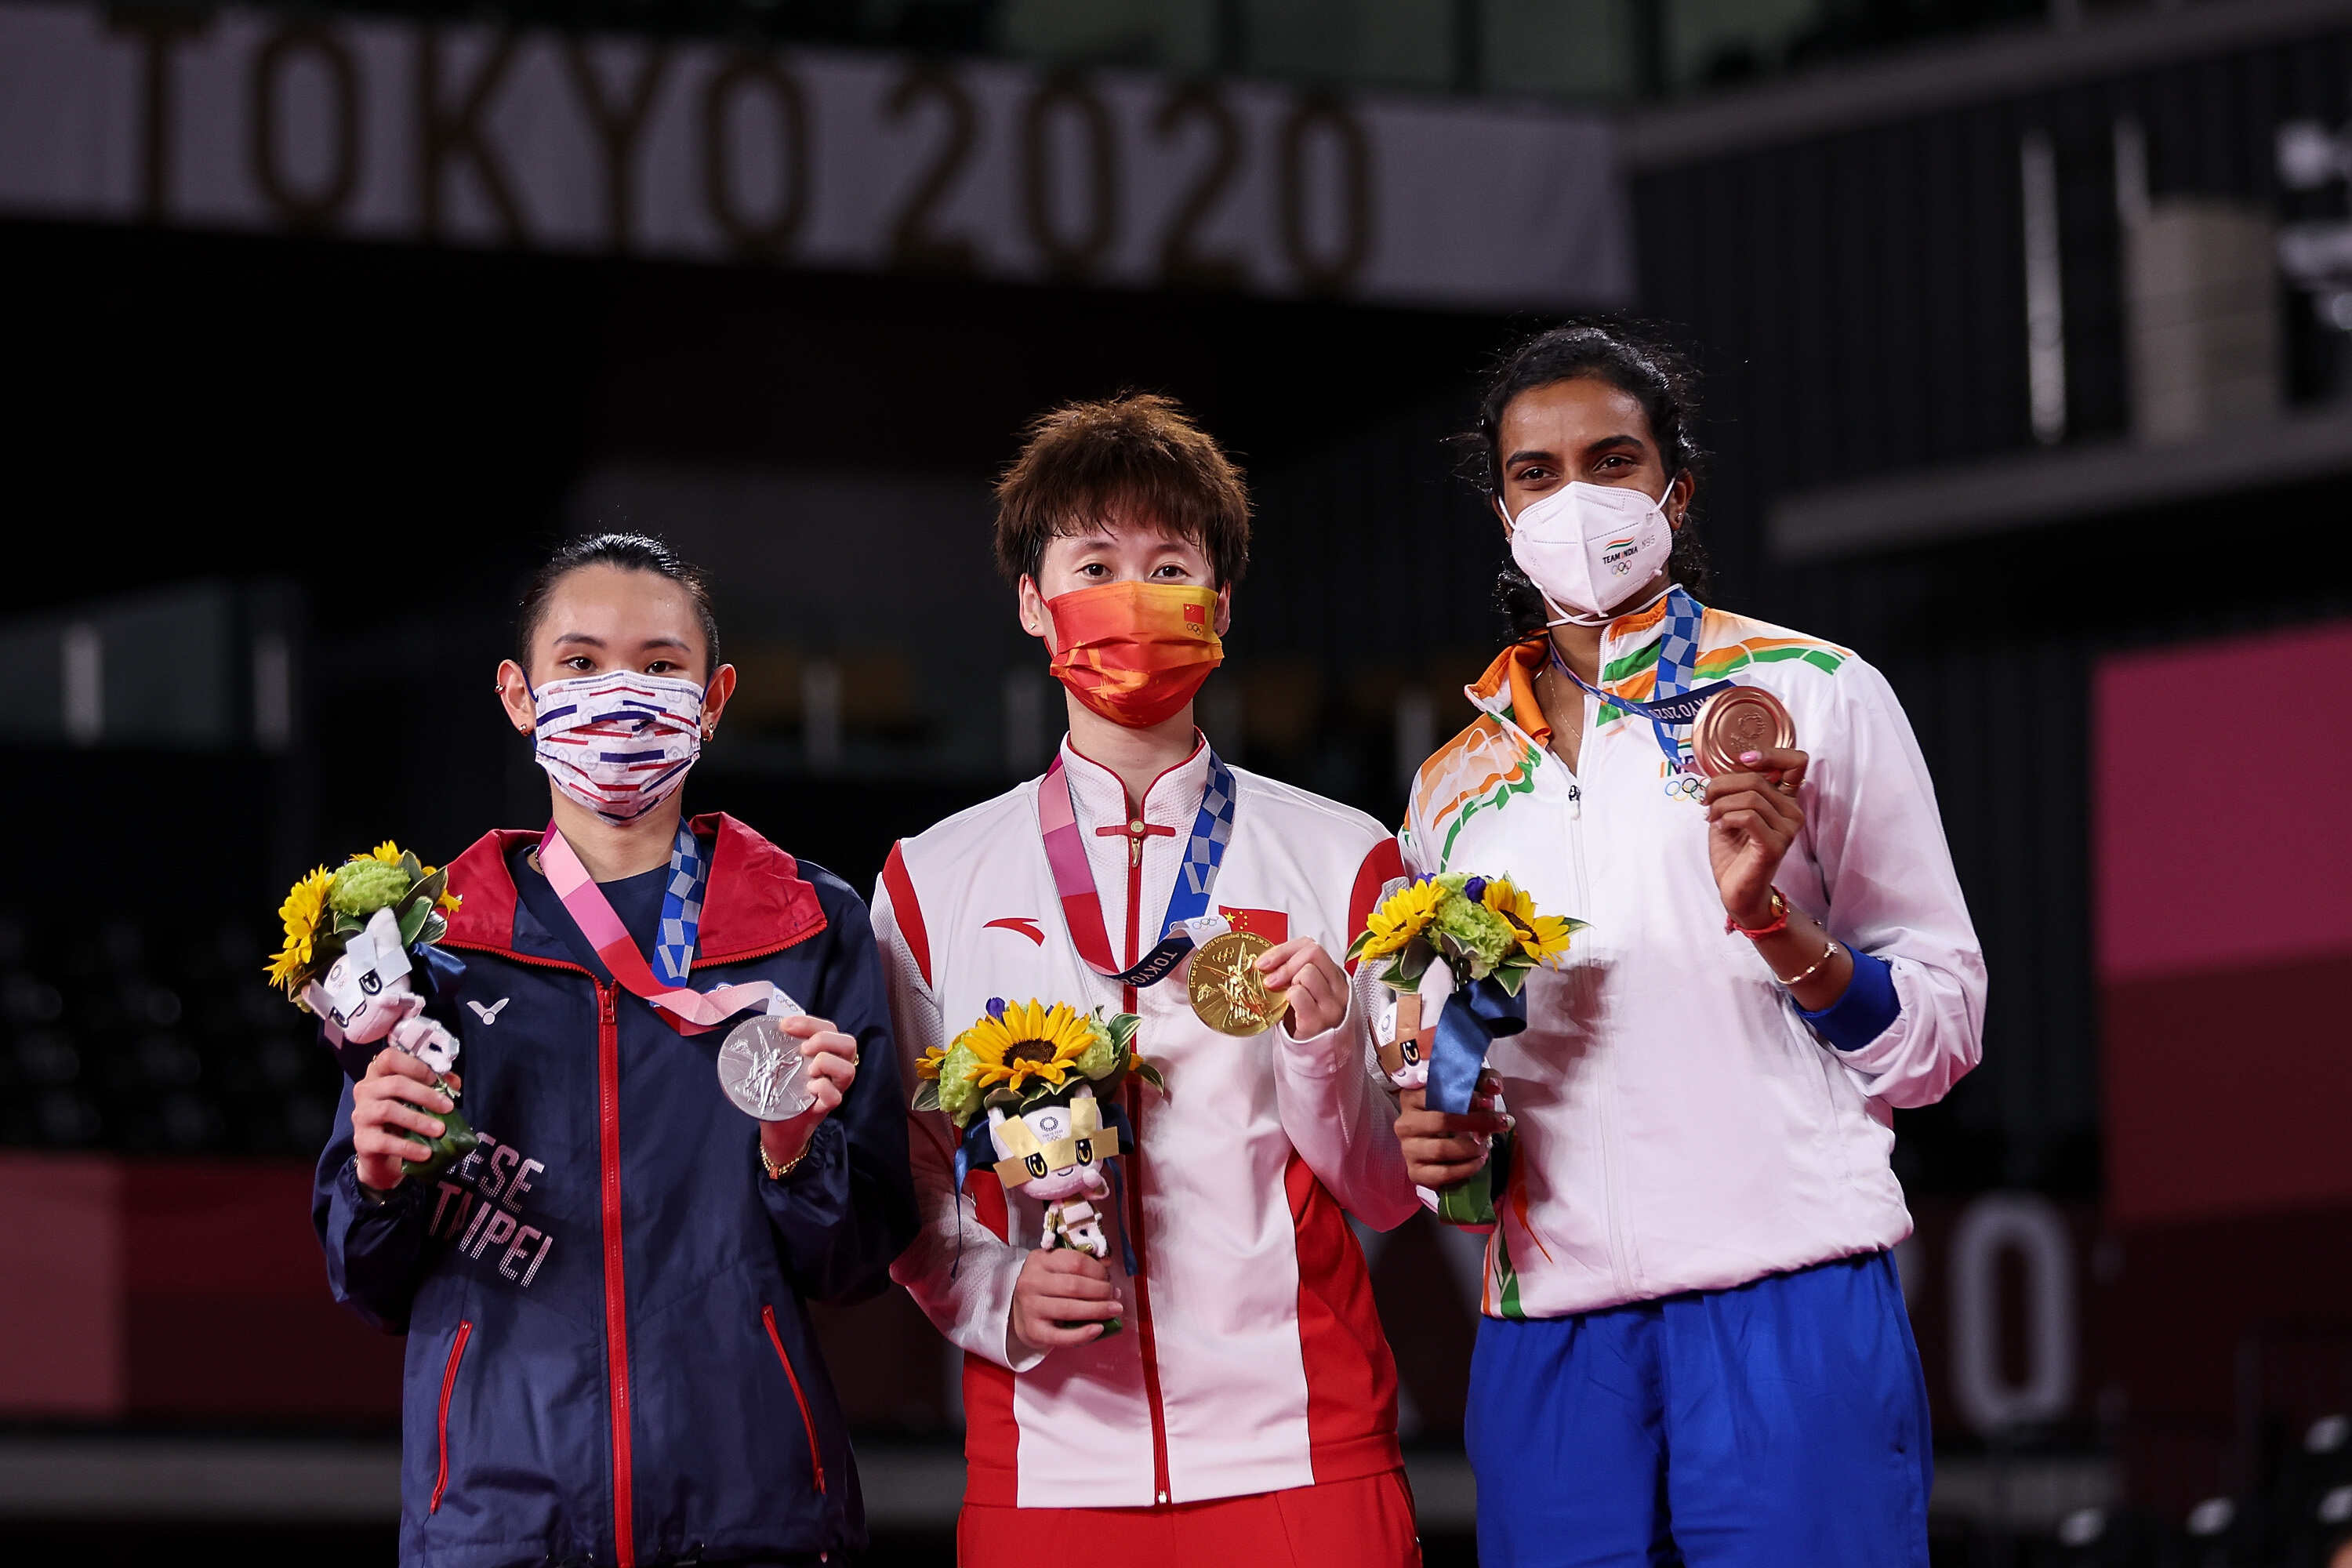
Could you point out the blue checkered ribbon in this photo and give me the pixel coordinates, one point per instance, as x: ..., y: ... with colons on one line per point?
x: 1673, y: 703
x: 1677, y: 661
x: 681, y: 914
x: 1213, y: 830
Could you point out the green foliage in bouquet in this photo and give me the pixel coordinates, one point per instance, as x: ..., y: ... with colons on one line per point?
x: 1477, y: 926
x: 326, y: 909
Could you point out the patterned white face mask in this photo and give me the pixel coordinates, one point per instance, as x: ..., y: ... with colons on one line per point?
x: 620, y: 742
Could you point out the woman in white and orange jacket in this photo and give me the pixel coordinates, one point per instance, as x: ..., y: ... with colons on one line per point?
x: 1693, y: 1339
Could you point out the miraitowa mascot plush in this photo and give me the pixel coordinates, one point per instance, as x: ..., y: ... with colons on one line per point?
x: 372, y: 922
x: 1056, y: 1155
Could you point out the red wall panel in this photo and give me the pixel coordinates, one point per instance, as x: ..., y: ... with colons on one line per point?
x: 2222, y: 869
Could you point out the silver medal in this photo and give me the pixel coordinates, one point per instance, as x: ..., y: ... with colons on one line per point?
x: 762, y: 1071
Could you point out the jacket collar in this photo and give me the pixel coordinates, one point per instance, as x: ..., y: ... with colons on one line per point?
x: 754, y: 900
x: 1172, y: 800
x: 1507, y: 689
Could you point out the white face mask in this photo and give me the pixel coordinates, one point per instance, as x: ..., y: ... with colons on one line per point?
x: 1588, y: 548
x: 620, y: 742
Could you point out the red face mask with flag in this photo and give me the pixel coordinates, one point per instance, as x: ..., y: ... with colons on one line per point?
x: 1135, y: 652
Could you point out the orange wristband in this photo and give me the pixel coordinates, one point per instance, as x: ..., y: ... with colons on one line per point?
x: 1779, y: 920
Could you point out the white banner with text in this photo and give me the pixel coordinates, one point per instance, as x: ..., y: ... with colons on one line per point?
x: 261, y: 122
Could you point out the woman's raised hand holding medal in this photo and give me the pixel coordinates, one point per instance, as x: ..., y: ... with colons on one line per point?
x: 1752, y: 817
x: 831, y: 1058
x: 1316, y: 987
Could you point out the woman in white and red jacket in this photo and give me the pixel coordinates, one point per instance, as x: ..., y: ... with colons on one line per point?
x: 1247, y: 1414
x: 1694, y: 1347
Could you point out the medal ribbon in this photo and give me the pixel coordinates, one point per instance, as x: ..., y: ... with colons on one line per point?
x: 681, y: 919
x: 1074, y: 878
x: 1675, y: 704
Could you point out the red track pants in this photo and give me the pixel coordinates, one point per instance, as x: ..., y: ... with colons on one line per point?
x: 1363, y: 1523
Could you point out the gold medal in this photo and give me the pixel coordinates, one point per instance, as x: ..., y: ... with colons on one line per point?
x: 1228, y: 994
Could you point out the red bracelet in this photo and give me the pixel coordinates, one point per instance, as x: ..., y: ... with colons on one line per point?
x: 1779, y: 920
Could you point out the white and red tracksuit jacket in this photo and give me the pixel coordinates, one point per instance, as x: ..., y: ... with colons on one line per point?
x: 1252, y: 1358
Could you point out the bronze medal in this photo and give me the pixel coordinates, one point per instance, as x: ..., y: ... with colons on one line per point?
x: 1744, y: 718
x: 1227, y: 992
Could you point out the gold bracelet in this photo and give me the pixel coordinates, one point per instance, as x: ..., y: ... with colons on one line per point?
x: 1827, y: 953
x: 778, y: 1173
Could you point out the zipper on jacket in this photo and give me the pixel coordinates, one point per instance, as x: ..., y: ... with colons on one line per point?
x: 1622, y: 1269
x: 808, y: 1422
x: 1147, y: 1343
x: 616, y: 1296
x: 448, y: 1386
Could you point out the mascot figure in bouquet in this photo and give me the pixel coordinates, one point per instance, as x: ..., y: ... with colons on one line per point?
x: 1059, y: 1155
x: 358, y: 939
x: 1021, y: 1085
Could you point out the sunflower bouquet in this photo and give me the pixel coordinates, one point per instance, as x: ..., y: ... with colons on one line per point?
x: 1033, y: 1086
x: 1455, y: 947
x: 354, y: 938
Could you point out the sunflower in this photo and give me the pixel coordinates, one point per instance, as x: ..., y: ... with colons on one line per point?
x: 1402, y: 916
x: 1028, y: 1043
x: 305, y: 905
x: 927, y: 1066
x: 1542, y: 937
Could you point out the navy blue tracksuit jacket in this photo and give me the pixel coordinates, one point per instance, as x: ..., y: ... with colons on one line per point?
x: 609, y: 1361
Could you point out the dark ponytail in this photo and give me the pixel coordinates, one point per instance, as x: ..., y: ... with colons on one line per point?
x: 631, y: 551
x: 1638, y: 362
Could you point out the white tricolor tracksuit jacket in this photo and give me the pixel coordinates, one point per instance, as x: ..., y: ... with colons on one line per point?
x: 1680, y: 1127
x: 1252, y: 1358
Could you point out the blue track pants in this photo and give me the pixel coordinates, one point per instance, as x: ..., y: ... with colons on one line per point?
x: 1779, y: 1425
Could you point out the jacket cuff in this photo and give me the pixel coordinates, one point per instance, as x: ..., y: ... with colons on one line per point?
x: 1863, y: 1012
x: 366, y: 1208
x: 816, y: 1191
x: 1319, y: 1056
x: 1010, y: 1349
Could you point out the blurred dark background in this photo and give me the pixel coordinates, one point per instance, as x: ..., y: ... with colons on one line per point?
x: 2028, y: 341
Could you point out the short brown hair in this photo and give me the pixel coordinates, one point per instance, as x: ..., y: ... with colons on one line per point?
x: 1138, y: 449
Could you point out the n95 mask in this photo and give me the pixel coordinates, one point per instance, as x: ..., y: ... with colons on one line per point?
x: 1588, y: 548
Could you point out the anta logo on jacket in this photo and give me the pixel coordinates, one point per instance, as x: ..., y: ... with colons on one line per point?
x: 609, y: 1361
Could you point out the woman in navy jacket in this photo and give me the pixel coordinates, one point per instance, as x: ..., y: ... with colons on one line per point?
x: 609, y: 1359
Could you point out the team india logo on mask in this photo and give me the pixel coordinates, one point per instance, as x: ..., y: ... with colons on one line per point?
x: 1613, y: 554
